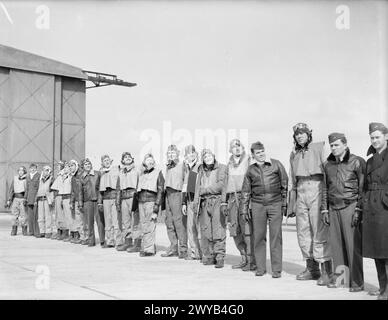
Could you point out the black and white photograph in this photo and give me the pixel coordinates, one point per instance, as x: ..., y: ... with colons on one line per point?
x: 194, y: 150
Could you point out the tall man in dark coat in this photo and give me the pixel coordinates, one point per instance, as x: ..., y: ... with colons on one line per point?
x: 32, y: 186
x: 375, y: 219
x: 341, y: 208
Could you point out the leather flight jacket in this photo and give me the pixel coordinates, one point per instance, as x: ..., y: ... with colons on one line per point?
x: 127, y: 193
x: 344, y: 181
x: 265, y: 184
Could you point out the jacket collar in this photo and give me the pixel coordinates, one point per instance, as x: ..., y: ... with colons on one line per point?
x: 216, y: 165
x: 90, y: 173
x: 128, y: 168
x: 267, y: 161
x: 377, y: 160
x: 372, y: 150
x: 332, y: 158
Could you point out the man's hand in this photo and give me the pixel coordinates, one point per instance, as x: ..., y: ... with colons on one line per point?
x: 284, y: 211
x: 356, y: 219
x: 81, y: 208
x: 224, y: 209
x: 325, y: 218
x: 100, y: 207
x: 71, y: 206
x: 8, y: 204
x: 25, y: 202
x: 184, y: 209
x: 154, y: 216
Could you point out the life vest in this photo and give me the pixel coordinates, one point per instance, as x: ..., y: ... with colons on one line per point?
x: 44, y: 187
x: 175, y: 177
x: 148, y: 181
x: 129, y: 179
x: 308, y: 163
x: 236, y: 175
x: 109, y: 179
x: 19, y: 185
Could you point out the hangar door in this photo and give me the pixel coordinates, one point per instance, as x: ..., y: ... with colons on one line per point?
x: 26, y: 122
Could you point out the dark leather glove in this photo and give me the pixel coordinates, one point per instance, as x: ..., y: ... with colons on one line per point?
x: 326, y: 218
x: 356, y: 219
x: 224, y: 209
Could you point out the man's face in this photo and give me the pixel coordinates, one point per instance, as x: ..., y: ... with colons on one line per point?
x: 87, y: 166
x: 191, y: 157
x: 208, y: 159
x: 20, y: 172
x: 72, y: 167
x: 237, y: 150
x: 46, y: 172
x: 378, y: 139
x: 338, y: 148
x: 149, y: 163
x: 259, y: 155
x: 33, y: 170
x: 59, y: 167
x: 127, y: 160
x: 301, y: 138
x: 171, y: 155
x: 106, y: 162
x: 66, y: 169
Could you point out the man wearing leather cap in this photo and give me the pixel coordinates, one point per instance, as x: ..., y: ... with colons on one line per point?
x: 341, y: 208
x: 150, y: 195
x: 129, y: 178
x: 265, y: 186
x: 176, y: 222
x: 90, y: 181
x: 239, y: 227
x: 375, y: 213
x: 109, y: 201
x: 307, y: 175
x: 16, y: 201
x: 212, y: 213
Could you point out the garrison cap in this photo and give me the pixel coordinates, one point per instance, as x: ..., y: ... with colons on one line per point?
x: 373, y: 126
x: 257, y: 146
x: 335, y: 136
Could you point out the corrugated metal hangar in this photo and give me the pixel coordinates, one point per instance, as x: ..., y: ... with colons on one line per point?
x: 42, y: 111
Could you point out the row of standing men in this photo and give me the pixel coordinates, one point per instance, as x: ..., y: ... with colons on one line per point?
x: 201, y: 196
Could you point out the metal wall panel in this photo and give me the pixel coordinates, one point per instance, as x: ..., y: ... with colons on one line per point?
x: 73, y: 119
x: 4, y: 113
x: 42, y: 120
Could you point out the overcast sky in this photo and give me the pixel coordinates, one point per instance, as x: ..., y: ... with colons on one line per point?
x: 249, y: 68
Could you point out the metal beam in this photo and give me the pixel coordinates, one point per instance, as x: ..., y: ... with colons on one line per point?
x: 104, y: 79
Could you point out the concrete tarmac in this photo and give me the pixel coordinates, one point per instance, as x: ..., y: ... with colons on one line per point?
x: 32, y: 268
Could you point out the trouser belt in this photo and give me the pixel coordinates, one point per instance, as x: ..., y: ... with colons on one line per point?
x: 19, y: 195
